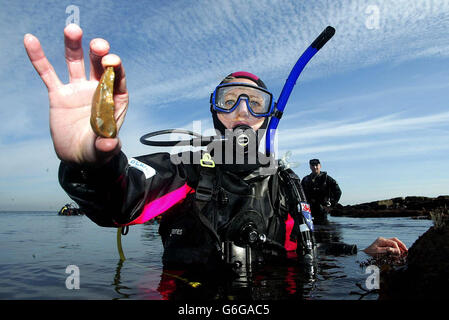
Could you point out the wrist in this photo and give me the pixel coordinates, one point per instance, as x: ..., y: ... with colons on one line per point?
x: 99, y: 171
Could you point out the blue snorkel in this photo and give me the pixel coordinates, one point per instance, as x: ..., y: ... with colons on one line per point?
x: 319, y: 42
x: 199, y: 140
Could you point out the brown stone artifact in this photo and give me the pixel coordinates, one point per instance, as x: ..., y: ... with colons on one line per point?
x: 102, y: 115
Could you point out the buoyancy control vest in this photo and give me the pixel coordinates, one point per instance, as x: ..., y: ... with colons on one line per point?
x: 316, y: 187
x: 236, y: 218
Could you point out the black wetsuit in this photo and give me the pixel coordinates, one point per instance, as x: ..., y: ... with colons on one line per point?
x: 126, y: 192
x: 322, y: 192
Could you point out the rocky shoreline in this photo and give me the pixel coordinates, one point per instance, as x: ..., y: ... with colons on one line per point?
x: 414, y: 206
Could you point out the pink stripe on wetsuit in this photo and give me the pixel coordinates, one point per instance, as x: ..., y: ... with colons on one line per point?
x: 289, y: 245
x: 162, y: 204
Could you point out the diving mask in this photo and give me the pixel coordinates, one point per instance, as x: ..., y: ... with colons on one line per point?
x: 226, y: 97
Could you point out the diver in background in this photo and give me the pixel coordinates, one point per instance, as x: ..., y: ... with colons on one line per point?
x: 322, y: 191
x: 235, y: 201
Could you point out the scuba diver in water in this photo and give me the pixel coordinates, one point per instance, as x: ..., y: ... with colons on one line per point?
x: 215, y: 212
x: 322, y: 191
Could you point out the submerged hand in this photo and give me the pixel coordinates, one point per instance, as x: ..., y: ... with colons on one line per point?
x: 382, y: 246
x: 70, y: 104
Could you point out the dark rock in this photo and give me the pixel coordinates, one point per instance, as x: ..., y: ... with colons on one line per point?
x: 426, y: 273
x: 396, y: 207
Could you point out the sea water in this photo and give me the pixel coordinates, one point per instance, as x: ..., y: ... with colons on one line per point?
x: 42, y: 253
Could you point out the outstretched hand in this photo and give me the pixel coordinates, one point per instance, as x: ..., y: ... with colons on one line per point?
x: 382, y: 246
x: 70, y: 104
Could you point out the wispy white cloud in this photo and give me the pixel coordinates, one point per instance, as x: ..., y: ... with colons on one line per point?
x: 380, y: 149
x: 270, y: 36
x: 179, y: 51
x: 175, y: 52
x: 377, y: 126
x: 384, y: 94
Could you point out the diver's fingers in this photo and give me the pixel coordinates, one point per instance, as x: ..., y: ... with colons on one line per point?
x: 120, y: 78
x: 40, y: 62
x: 376, y: 250
x: 401, y: 245
x: 106, y: 148
x: 391, y: 246
x: 388, y: 243
x: 395, y: 251
x: 74, y: 52
x: 98, y: 49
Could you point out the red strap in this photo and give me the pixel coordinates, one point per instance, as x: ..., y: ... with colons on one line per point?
x: 289, y: 245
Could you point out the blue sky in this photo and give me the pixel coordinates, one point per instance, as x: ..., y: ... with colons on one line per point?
x: 372, y: 105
